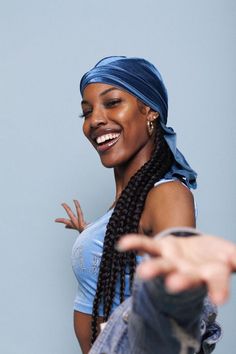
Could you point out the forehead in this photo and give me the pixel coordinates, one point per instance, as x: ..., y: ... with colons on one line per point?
x: 95, y: 90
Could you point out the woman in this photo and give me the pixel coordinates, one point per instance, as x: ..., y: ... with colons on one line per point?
x: 125, y: 109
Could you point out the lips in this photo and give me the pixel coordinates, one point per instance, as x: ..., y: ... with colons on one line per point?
x: 104, y: 140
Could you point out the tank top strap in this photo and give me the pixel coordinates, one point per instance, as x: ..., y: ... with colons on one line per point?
x: 165, y: 180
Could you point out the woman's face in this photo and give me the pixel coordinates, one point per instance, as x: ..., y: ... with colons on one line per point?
x: 115, y: 123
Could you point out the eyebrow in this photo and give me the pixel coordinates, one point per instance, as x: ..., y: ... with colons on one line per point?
x: 101, y: 94
x: 108, y: 90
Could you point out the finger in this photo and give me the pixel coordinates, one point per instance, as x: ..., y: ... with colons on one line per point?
x: 62, y: 220
x: 67, y: 222
x: 69, y: 227
x: 154, y: 267
x: 217, y: 278
x: 139, y: 243
x: 177, y: 282
x: 79, y: 214
x: 71, y: 215
x: 233, y: 258
x: 214, y: 276
x: 220, y: 296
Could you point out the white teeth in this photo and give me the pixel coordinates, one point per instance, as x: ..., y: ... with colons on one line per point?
x: 105, y: 137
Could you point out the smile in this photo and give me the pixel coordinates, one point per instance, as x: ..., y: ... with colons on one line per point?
x: 106, y: 141
x: 101, y: 139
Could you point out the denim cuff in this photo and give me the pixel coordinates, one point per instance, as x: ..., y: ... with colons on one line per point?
x: 178, y: 232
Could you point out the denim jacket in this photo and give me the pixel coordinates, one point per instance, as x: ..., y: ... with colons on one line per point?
x: 153, y: 321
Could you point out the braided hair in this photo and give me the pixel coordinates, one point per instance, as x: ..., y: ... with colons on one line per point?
x: 125, y: 219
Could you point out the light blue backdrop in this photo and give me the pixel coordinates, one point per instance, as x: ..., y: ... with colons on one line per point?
x: 45, y: 47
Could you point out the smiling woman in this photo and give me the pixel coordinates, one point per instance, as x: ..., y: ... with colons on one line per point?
x: 115, y: 123
x: 125, y: 109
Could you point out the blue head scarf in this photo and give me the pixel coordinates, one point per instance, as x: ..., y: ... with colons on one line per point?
x: 140, y: 78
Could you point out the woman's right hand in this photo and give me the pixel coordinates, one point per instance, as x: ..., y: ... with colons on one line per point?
x: 75, y: 222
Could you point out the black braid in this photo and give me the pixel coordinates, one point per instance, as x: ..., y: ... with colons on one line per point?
x: 125, y: 219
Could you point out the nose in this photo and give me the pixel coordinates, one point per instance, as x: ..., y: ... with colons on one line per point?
x: 97, y: 118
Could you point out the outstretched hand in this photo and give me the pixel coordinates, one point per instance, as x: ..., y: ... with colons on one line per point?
x: 186, y: 262
x: 75, y: 222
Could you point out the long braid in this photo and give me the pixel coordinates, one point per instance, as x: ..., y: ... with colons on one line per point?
x: 125, y: 219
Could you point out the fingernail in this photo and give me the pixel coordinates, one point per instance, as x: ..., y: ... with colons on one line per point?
x: 170, y: 290
x: 119, y: 247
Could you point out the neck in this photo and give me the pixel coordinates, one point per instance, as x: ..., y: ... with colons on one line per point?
x: 124, y: 172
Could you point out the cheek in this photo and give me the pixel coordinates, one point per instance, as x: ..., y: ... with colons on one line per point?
x: 85, y: 129
x: 136, y: 129
x: 131, y: 119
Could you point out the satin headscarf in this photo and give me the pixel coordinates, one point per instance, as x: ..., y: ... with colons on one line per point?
x: 141, y: 79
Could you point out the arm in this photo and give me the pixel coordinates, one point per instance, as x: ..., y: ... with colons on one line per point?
x: 184, y: 264
x: 168, y: 205
x: 169, y: 322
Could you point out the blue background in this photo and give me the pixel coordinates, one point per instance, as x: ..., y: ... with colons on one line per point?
x: 45, y: 48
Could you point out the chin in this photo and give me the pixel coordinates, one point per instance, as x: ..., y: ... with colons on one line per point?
x: 110, y: 163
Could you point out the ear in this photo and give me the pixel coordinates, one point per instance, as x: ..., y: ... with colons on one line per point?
x: 147, y: 111
x: 152, y: 115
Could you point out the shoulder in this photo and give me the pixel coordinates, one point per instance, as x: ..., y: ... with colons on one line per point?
x: 169, y: 191
x: 169, y: 204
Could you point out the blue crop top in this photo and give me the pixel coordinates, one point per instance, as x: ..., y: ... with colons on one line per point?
x: 86, y: 257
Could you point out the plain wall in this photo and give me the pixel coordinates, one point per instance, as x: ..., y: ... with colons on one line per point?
x: 45, y: 47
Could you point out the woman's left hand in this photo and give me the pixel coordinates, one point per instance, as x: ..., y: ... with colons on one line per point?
x: 186, y: 262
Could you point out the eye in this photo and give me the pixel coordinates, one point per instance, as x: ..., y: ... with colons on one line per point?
x: 85, y: 114
x: 112, y: 103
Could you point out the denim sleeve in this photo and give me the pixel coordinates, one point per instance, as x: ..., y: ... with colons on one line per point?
x: 170, y: 323
x: 210, y: 330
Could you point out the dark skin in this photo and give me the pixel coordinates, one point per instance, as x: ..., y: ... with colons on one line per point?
x: 109, y: 110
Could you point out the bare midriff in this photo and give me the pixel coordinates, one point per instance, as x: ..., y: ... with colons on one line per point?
x: 82, y: 327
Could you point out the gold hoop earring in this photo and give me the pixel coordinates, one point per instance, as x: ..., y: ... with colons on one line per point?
x: 150, y: 127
